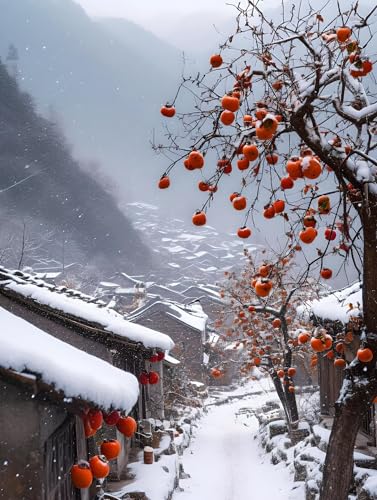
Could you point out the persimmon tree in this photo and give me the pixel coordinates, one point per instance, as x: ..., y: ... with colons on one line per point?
x: 268, y: 333
x: 291, y: 104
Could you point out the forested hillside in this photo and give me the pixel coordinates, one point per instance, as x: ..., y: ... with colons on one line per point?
x: 45, y: 191
x: 103, y: 81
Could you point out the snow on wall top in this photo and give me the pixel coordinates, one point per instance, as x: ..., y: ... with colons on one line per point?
x: 24, y: 347
x: 336, y: 306
x: 109, y: 319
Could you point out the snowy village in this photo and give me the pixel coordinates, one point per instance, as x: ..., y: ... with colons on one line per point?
x: 188, y: 250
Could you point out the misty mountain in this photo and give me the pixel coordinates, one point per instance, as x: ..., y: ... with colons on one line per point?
x: 43, y: 186
x: 105, y: 81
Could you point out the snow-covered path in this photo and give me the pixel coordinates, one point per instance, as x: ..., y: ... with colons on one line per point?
x: 225, y: 461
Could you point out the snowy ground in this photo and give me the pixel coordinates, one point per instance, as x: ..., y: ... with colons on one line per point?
x: 225, y: 461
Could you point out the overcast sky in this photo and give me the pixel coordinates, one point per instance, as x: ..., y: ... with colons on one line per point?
x: 148, y: 8
x: 150, y: 12
x: 164, y: 17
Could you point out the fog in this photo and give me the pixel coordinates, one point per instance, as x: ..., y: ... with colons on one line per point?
x: 102, y: 81
x: 184, y: 24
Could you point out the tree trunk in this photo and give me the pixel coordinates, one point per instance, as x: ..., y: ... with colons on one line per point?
x: 279, y: 391
x: 287, y: 399
x: 360, y: 385
x: 338, y: 468
x: 292, y: 408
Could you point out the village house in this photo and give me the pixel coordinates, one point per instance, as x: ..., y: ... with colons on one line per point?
x: 62, y: 352
x: 186, y: 325
x: 339, y: 313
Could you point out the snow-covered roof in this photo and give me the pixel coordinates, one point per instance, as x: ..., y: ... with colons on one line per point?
x: 26, y: 348
x: 191, y: 315
x: 85, y: 308
x: 108, y: 284
x: 47, y: 276
x: 202, y: 291
x: 336, y: 306
x: 171, y: 360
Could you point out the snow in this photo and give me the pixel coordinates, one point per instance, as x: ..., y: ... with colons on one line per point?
x: 109, y: 319
x: 336, y: 306
x: 24, y: 347
x: 176, y: 249
x: 361, y: 114
x: 225, y: 462
x: 370, y: 486
x: 139, y: 204
x: 193, y: 317
x: 108, y: 284
x: 171, y: 360
x: 156, y: 480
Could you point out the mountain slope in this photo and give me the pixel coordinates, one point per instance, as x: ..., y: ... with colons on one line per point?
x: 45, y: 186
x: 107, y: 92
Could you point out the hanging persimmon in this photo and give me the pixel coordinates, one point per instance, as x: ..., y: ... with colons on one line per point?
x: 239, y: 202
x: 243, y: 163
x: 216, y: 373
x: 164, y: 182
x: 248, y: 120
x: 326, y: 273
x: 264, y: 271
x: 309, y: 221
x: 99, y: 466
x: 196, y: 159
x: 95, y: 419
x: 199, y: 218
x: 279, y: 206
x: 261, y: 113
x: 203, y: 186
x: 168, y: 110
x: 81, y: 475
x: 272, y: 159
x: 143, y: 378
x: 250, y: 151
x: 154, y: 378
x: 364, y: 354
x: 340, y: 362
x: 263, y: 287
x: 216, y: 60
x: 294, y: 168
x: 308, y: 235
x: 269, y: 212
x: 311, y: 168
x: 277, y: 85
x: 127, y: 426
x: 303, y: 337
x: 110, y: 448
x: 244, y: 232
x: 111, y: 418
x: 324, y: 205
x: 227, y: 117
x: 330, y: 234
x: 287, y: 183
x: 343, y: 33
x: 321, y: 343
x: 230, y: 103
